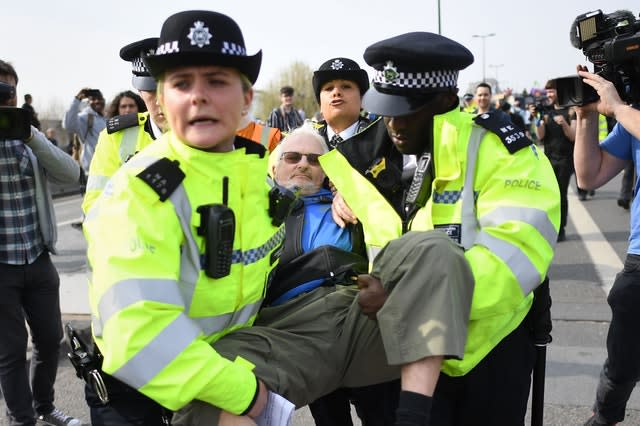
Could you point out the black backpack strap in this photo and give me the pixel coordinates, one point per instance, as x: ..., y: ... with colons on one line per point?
x: 163, y: 176
x: 329, y: 263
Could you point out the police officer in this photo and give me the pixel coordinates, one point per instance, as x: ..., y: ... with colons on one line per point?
x: 126, y: 134
x: 459, y: 187
x: 181, y: 243
x: 339, y: 84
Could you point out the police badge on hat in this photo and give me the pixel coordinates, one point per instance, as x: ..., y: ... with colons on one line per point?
x: 201, y: 37
x: 199, y: 34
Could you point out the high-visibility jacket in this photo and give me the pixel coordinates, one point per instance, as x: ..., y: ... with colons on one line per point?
x: 268, y: 137
x: 503, y: 208
x: 154, y: 310
x: 603, y: 127
x: 123, y: 137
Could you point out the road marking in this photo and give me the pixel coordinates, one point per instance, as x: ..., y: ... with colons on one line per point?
x: 67, y: 222
x: 602, y: 255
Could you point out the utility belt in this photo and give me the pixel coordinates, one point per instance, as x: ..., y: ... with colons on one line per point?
x: 87, y: 361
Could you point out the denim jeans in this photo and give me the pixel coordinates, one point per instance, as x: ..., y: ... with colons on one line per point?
x: 31, y: 293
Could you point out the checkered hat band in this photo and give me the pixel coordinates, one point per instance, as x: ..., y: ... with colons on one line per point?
x: 420, y: 80
x: 138, y: 67
x: 229, y: 48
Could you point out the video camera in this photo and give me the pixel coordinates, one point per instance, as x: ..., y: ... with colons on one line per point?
x: 541, y: 105
x: 15, y: 123
x: 612, y: 43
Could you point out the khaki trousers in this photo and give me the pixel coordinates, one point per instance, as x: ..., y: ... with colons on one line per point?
x: 321, y: 341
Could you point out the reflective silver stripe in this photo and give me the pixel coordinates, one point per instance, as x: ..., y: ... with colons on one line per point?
x: 256, y: 254
x: 534, y: 217
x: 157, y: 354
x: 469, y: 221
x: 97, y: 182
x: 128, y: 143
x: 213, y: 325
x: 190, y: 254
x: 525, y: 272
x: 127, y: 292
x: 96, y: 325
x: 264, y: 136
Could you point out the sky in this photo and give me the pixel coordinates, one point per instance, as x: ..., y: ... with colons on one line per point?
x: 58, y: 47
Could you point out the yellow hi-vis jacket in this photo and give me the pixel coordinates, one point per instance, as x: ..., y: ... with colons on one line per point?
x: 502, y: 208
x: 154, y: 310
x: 124, y: 136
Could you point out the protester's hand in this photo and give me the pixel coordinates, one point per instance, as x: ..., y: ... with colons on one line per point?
x: 609, y: 98
x: 341, y: 212
x: 371, y: 296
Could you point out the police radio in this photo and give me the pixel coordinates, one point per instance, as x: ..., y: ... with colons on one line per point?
x: 217, y: 225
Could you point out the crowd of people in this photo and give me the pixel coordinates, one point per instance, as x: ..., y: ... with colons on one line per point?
x: 375, y: 255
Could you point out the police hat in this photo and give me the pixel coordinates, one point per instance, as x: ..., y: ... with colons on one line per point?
x: 410, y: 69
x: 339, y: 69
x: 134, y: 52
x: 201, y: 37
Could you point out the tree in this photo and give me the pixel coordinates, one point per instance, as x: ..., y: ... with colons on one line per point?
x: 298, y: 75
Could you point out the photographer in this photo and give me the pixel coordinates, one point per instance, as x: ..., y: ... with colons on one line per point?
x: 29, y: 289
x: 555, y: 127
x: 596, y: 164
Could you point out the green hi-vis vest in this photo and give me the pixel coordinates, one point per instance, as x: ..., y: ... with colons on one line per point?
x: 155, y: 312
x: 502, y: 208
x: 120, y: 140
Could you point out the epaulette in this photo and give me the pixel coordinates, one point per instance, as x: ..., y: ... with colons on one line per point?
x: 499, y: 123
x: 121, y: 122
x: 163, y: 176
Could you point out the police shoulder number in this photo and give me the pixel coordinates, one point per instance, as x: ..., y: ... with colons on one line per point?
x: 499, y: 123
x: 121, y: 122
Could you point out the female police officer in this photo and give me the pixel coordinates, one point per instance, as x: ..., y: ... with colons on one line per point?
x: 181, y: 244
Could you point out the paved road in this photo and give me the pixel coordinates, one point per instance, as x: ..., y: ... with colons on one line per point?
x: 581, y: 273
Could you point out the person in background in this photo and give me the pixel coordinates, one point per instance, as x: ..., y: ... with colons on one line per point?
x: 29, y: 288
x: 268, y: 137
x: 483, y: 98
x: 28, y: 101
x: 286, y: 117
x: 556, y: 128
x: 124, y: 103
x: 513, y: 116
x: 86, y: 123
x: 51, y: 135
x: 596, y: 164
x: 467, y: 103
x: 127, y: 134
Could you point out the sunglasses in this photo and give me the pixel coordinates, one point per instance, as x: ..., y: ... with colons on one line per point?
x: 293, y: 157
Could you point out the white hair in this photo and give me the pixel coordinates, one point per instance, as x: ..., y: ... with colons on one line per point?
x: 307, y: 129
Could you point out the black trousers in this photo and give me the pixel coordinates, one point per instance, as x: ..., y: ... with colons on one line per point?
x: 495, y: 392
x: 126, y: 407
x: 31, y: 293
x: 376, y: 405
x: 621, y: 370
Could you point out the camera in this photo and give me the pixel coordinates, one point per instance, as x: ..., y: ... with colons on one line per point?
x: 15, y: 123
x: 92, y: 93
x: 612, y: 43
x: 541, y: 105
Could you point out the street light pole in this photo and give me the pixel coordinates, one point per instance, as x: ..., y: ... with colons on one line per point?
x: 483, y: 37
x: 496, y: 67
